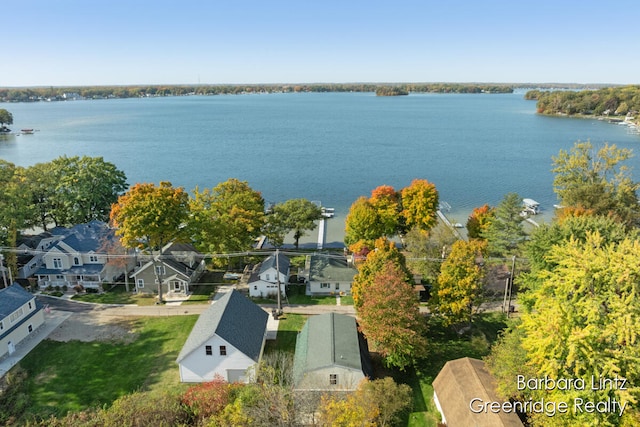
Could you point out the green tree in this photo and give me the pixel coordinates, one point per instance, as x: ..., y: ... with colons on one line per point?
x: 585, y: 324
x: 460, y: 285
x: 419, y: 204
x: 15, y: 208
x: 479, y: 220
x: 597, y: 180
x: 75, y: 190
x: 297, y: 215
x: 362, y: 223
x: 390, y: 317
x: 386, y: 201
x: 383, y: 251
x: 227, y: 218
x: 5, y: 117
x: 545, y: 237
x: 149, y: 217
x: 505, y: 232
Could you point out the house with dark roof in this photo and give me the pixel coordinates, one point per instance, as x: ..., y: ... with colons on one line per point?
x: 328, y: 275
x: 227, y: 340
x: 264, y: 277
x: 331, y: 355
x: 20, y: 316
x: 78, y: 258
x: 179, y: 265
x: 31, y: 249
x: 459, y: 382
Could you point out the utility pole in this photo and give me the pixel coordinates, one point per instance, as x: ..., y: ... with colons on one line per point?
x: 513, y: 267
x: 4, y: 277
x: 279, y: 312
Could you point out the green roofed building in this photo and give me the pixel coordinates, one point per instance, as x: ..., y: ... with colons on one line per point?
x: 328, y: 275
x: 331, y: 355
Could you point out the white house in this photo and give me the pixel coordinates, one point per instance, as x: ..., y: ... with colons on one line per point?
x: 20, y: 316
x: 78, y: 258
x: 227, y: 340
x: 328, y: 275
x: 263, y: 280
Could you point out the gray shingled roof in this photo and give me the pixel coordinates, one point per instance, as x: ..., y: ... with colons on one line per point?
x: 270, y: 262
x: 12, y: 298
x: 326, y: 269
x: 233, y: 318
x: 329, y: 339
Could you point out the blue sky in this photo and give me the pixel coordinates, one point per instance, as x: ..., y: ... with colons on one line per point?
x: 98, y: 42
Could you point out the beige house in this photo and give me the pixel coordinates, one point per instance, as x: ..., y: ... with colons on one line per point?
x: 458, y: 383
x: 20, y: 316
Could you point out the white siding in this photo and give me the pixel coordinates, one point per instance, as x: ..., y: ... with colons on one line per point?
x: 22, y: 332
x: 261, y: 288
x: 199, y: 367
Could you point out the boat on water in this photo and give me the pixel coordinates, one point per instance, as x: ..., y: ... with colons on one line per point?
x: 27, y: 131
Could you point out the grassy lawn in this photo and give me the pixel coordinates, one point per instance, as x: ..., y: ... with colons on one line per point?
x: 117, y: 295
x: 288, y: 328
x: 73, y: 376
x: 444, y: 345
x: 200, y: 294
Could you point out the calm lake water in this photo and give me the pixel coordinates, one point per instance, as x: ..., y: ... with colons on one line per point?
x: 332, y: 147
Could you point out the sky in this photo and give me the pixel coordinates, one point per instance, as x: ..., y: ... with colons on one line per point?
x: 130, y: 42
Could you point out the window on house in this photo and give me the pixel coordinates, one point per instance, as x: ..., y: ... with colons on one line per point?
x: 223, y: 350
x: 208, y: 350
x: 140, y: 283
x: 324, y: 285
x: 333, y: 379
x: 59, y: 277
x: 1, y: 326
x: 267, y: 276
x: 255, y: 287
x: 30, y: 328
x: 93, y: 258
x: 29, y: 305
x: 160, y: 270
x: 57, y: 263
x: 176, y: 286
x: 337, y: 286
x: 76, y: 261
x: 16, y: 315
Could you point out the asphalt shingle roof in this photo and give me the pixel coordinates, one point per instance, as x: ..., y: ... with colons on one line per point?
x: 329, y: 339
x: 233, y: 318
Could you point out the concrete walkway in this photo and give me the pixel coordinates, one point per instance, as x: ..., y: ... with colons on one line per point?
x: 52, y: 320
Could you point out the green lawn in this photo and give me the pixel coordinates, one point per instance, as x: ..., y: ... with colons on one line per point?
x: 200, y: 294
x: 288, y: 328
x: 117, y: 294
x: 73, y: 376
x: 444, y: 345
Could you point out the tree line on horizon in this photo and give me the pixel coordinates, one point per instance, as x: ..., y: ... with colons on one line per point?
x: 34, y: 94
x: 611, y: 101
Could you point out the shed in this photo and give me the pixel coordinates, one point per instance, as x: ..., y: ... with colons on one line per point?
x: 458, y: 383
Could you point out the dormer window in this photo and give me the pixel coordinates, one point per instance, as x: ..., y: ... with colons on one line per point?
x: 93, y: 258
x: 76, y: 261
x: 57, y: 263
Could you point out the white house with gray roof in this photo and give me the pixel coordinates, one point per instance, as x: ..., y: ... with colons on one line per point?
x: 331, y: 355
x: 227, y: 340
x: 263, y: 280
x: 328, y: 275
x: 20, y: 316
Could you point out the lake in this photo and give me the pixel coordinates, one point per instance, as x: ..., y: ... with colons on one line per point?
x: 331, y: 147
